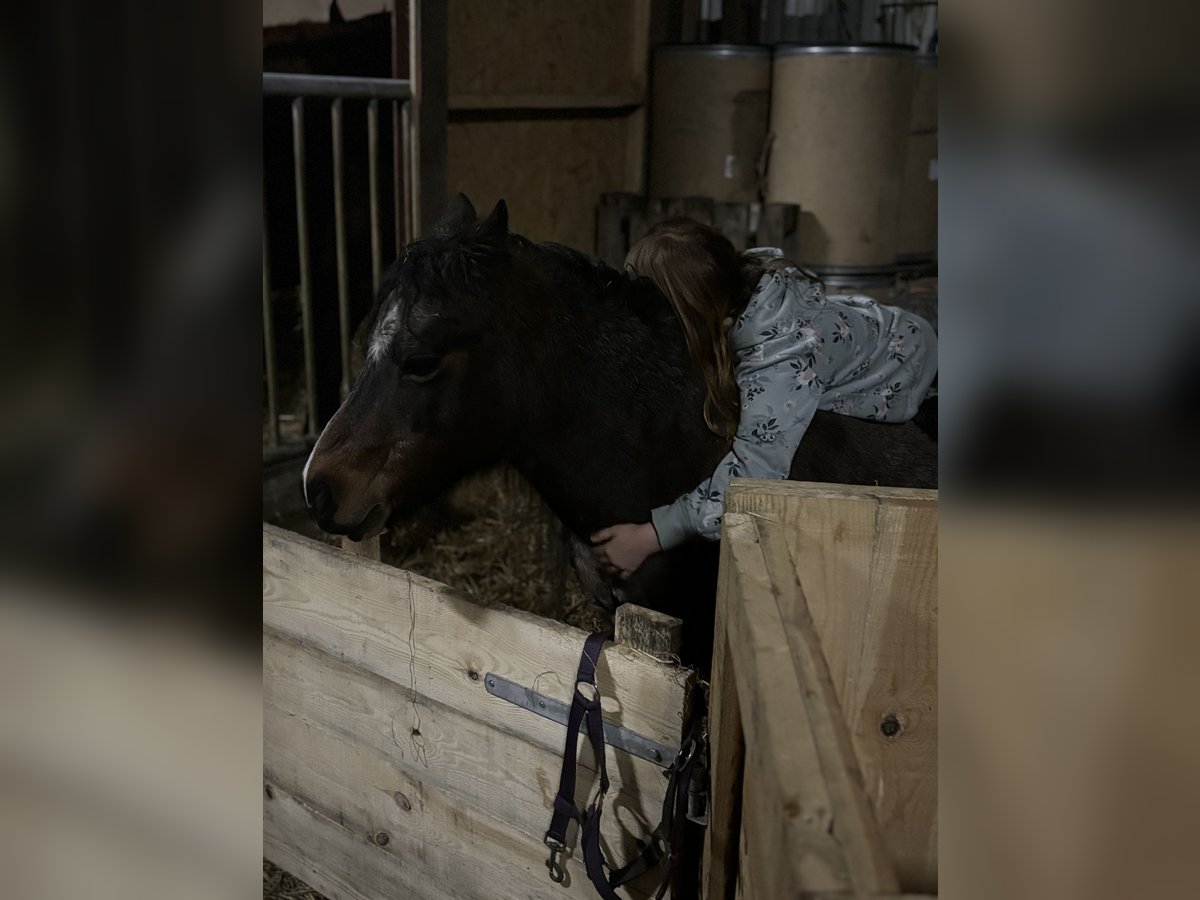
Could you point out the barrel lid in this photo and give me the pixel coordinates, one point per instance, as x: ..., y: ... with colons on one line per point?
x: 742, y: 51
x: 840, y: 49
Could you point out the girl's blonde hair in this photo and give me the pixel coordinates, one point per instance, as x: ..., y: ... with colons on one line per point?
x: 707, y: 282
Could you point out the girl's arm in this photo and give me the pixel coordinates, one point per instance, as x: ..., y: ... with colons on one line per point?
x: 779, y: 403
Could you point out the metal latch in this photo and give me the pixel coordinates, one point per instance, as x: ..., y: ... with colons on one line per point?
x: 557, y: 711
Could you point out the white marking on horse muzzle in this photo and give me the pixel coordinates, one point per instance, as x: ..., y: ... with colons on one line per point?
x: 304, y: 474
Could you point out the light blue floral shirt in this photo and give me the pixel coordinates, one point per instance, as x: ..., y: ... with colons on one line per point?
x: 797, y: 351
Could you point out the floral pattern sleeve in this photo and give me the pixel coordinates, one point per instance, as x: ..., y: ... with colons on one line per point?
x: 773, y: 421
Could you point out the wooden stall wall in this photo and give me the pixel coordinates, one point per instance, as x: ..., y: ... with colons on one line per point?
x: 547, y: 108
x: 389, y: 769
x: 824, y: 713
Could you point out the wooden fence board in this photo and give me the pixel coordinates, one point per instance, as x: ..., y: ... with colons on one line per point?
x: 853, y: 824
x: 494, y: 772
x: 787, y: 812
x: 867, y: 560
x: 726, y: 749
x: 333, y: 859
x: 425, y: 826
x: 377, y: 722
x: 428, y: 638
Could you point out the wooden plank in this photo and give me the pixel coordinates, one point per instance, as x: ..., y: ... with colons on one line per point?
x: 613, y: 218
x: 786, y: 808
x: 333, y: 859
x: 368, y: 549
x: 428, y: 638
x: 580, y: 102
x: 726, y: 747
x: 523, y: 47
x: 777, y: 228
x: 648, y: 631
x: 854, y: 827
x: 867, y: 558
x: 418, y: 824
x: 551, y: 171
x: 493, y: 772
x: 745, y: 874
x: 733, y: 221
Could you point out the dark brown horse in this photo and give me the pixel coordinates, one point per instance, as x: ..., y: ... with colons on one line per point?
x: 489, y: 348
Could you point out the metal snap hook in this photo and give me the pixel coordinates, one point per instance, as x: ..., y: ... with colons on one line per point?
x: 554, y: 863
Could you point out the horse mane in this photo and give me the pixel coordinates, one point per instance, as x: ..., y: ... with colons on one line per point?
x: 463, y: 264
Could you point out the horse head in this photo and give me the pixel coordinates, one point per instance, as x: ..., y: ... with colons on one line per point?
x: 435, y: 398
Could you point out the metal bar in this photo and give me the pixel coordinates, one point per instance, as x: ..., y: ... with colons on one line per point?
x: 310, y: 363
x: 373, y: 191
x: 557, y: 711
x: 269, y: 347
x: 339, y: 226
x: 279, y: 84
x: 408, y: 168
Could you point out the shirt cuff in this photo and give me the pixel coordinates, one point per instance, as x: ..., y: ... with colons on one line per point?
x: 670, y: 525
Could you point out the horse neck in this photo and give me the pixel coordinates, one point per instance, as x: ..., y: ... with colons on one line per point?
x: 613, y: 416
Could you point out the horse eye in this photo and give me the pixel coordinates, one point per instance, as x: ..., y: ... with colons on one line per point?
x: 420, y: 368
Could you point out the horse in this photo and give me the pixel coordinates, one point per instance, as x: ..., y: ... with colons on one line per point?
x: 489, y: 348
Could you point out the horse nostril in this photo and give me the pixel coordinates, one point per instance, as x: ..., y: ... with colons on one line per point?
x: 320, y: 498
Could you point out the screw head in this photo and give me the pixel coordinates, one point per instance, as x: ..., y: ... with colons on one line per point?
x: 890, y: 726
x: 382, y: 838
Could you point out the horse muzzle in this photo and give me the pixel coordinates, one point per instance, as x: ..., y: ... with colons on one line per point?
x: 323, y: 504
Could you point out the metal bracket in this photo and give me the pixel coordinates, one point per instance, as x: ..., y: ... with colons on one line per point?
x: 557, y: 711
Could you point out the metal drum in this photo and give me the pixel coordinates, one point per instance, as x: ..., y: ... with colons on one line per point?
x: 839, y: 125
x: 708, y: 121
x: 917, y: 246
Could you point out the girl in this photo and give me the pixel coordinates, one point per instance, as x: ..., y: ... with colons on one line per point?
x: 772, y: 350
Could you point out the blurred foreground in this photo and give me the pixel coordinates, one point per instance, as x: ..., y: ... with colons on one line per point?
x: 1070, y: 318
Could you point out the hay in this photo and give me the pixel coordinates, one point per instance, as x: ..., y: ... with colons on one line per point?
x: 493, y: 538
x: 279, y: 885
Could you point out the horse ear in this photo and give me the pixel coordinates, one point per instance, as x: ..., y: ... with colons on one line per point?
x: 496, y: 224
x: 459, y: 216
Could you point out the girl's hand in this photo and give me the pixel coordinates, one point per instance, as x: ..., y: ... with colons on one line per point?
x: 622, y: 548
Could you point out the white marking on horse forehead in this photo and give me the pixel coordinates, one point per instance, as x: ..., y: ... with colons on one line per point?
x: 385, y: 329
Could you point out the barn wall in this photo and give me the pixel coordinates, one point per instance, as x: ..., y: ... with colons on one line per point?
x: 546, y: 105
x: 551, y: 172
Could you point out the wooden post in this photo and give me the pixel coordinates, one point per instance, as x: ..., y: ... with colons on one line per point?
x: 428, y: 23
x: 649, y: 631
x: 369, y: 549
x: 777, y: 227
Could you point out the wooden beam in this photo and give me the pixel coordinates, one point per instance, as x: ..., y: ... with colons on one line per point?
x: 650, y: 632
x: 871, y: 870
x: 429, y: 747
x: 431, y: 640
x: 427, y: 54
x: 368, y: 549
x: 726, y: 747
x: 867, y: 559
x: 787, y: 812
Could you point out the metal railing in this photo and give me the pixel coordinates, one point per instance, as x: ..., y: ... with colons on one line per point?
x: 336, y: 88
